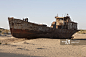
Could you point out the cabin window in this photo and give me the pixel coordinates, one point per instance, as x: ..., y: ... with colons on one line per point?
x: 60, y: 19
x: 64, y: 23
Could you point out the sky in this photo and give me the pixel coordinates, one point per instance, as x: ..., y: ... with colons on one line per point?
x: 43, y: 11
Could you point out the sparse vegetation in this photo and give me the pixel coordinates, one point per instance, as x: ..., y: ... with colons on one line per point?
x: 5, y: 43
x: 0, y: 43
x: 82, y: 32
x: 4, y: 31
x: 0, y: 31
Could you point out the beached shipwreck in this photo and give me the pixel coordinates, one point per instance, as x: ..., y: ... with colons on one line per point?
x: 63, y: 27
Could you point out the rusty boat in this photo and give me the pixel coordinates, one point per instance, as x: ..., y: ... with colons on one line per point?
x: 63, y: 27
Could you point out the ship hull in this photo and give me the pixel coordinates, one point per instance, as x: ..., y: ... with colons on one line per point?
x: 23, y: 29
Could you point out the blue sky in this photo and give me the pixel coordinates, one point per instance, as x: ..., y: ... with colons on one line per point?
x: 43, y: 11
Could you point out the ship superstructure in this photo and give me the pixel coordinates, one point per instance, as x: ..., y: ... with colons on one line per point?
x: 64, y: 23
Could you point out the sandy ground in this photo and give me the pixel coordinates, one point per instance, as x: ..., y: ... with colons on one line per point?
x: 41, y: 47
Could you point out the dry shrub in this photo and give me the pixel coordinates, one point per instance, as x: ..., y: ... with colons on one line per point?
x: 0, y: 42
x: 6, y: 31
x: 5, y: 43
x: 0, y: 31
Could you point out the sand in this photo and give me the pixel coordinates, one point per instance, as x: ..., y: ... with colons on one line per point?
x: 41, y: 47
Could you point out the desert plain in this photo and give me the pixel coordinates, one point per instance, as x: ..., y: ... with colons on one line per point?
x: 40, y: 47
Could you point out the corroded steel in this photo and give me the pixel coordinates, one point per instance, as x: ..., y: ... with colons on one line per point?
x: 24, y: 29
